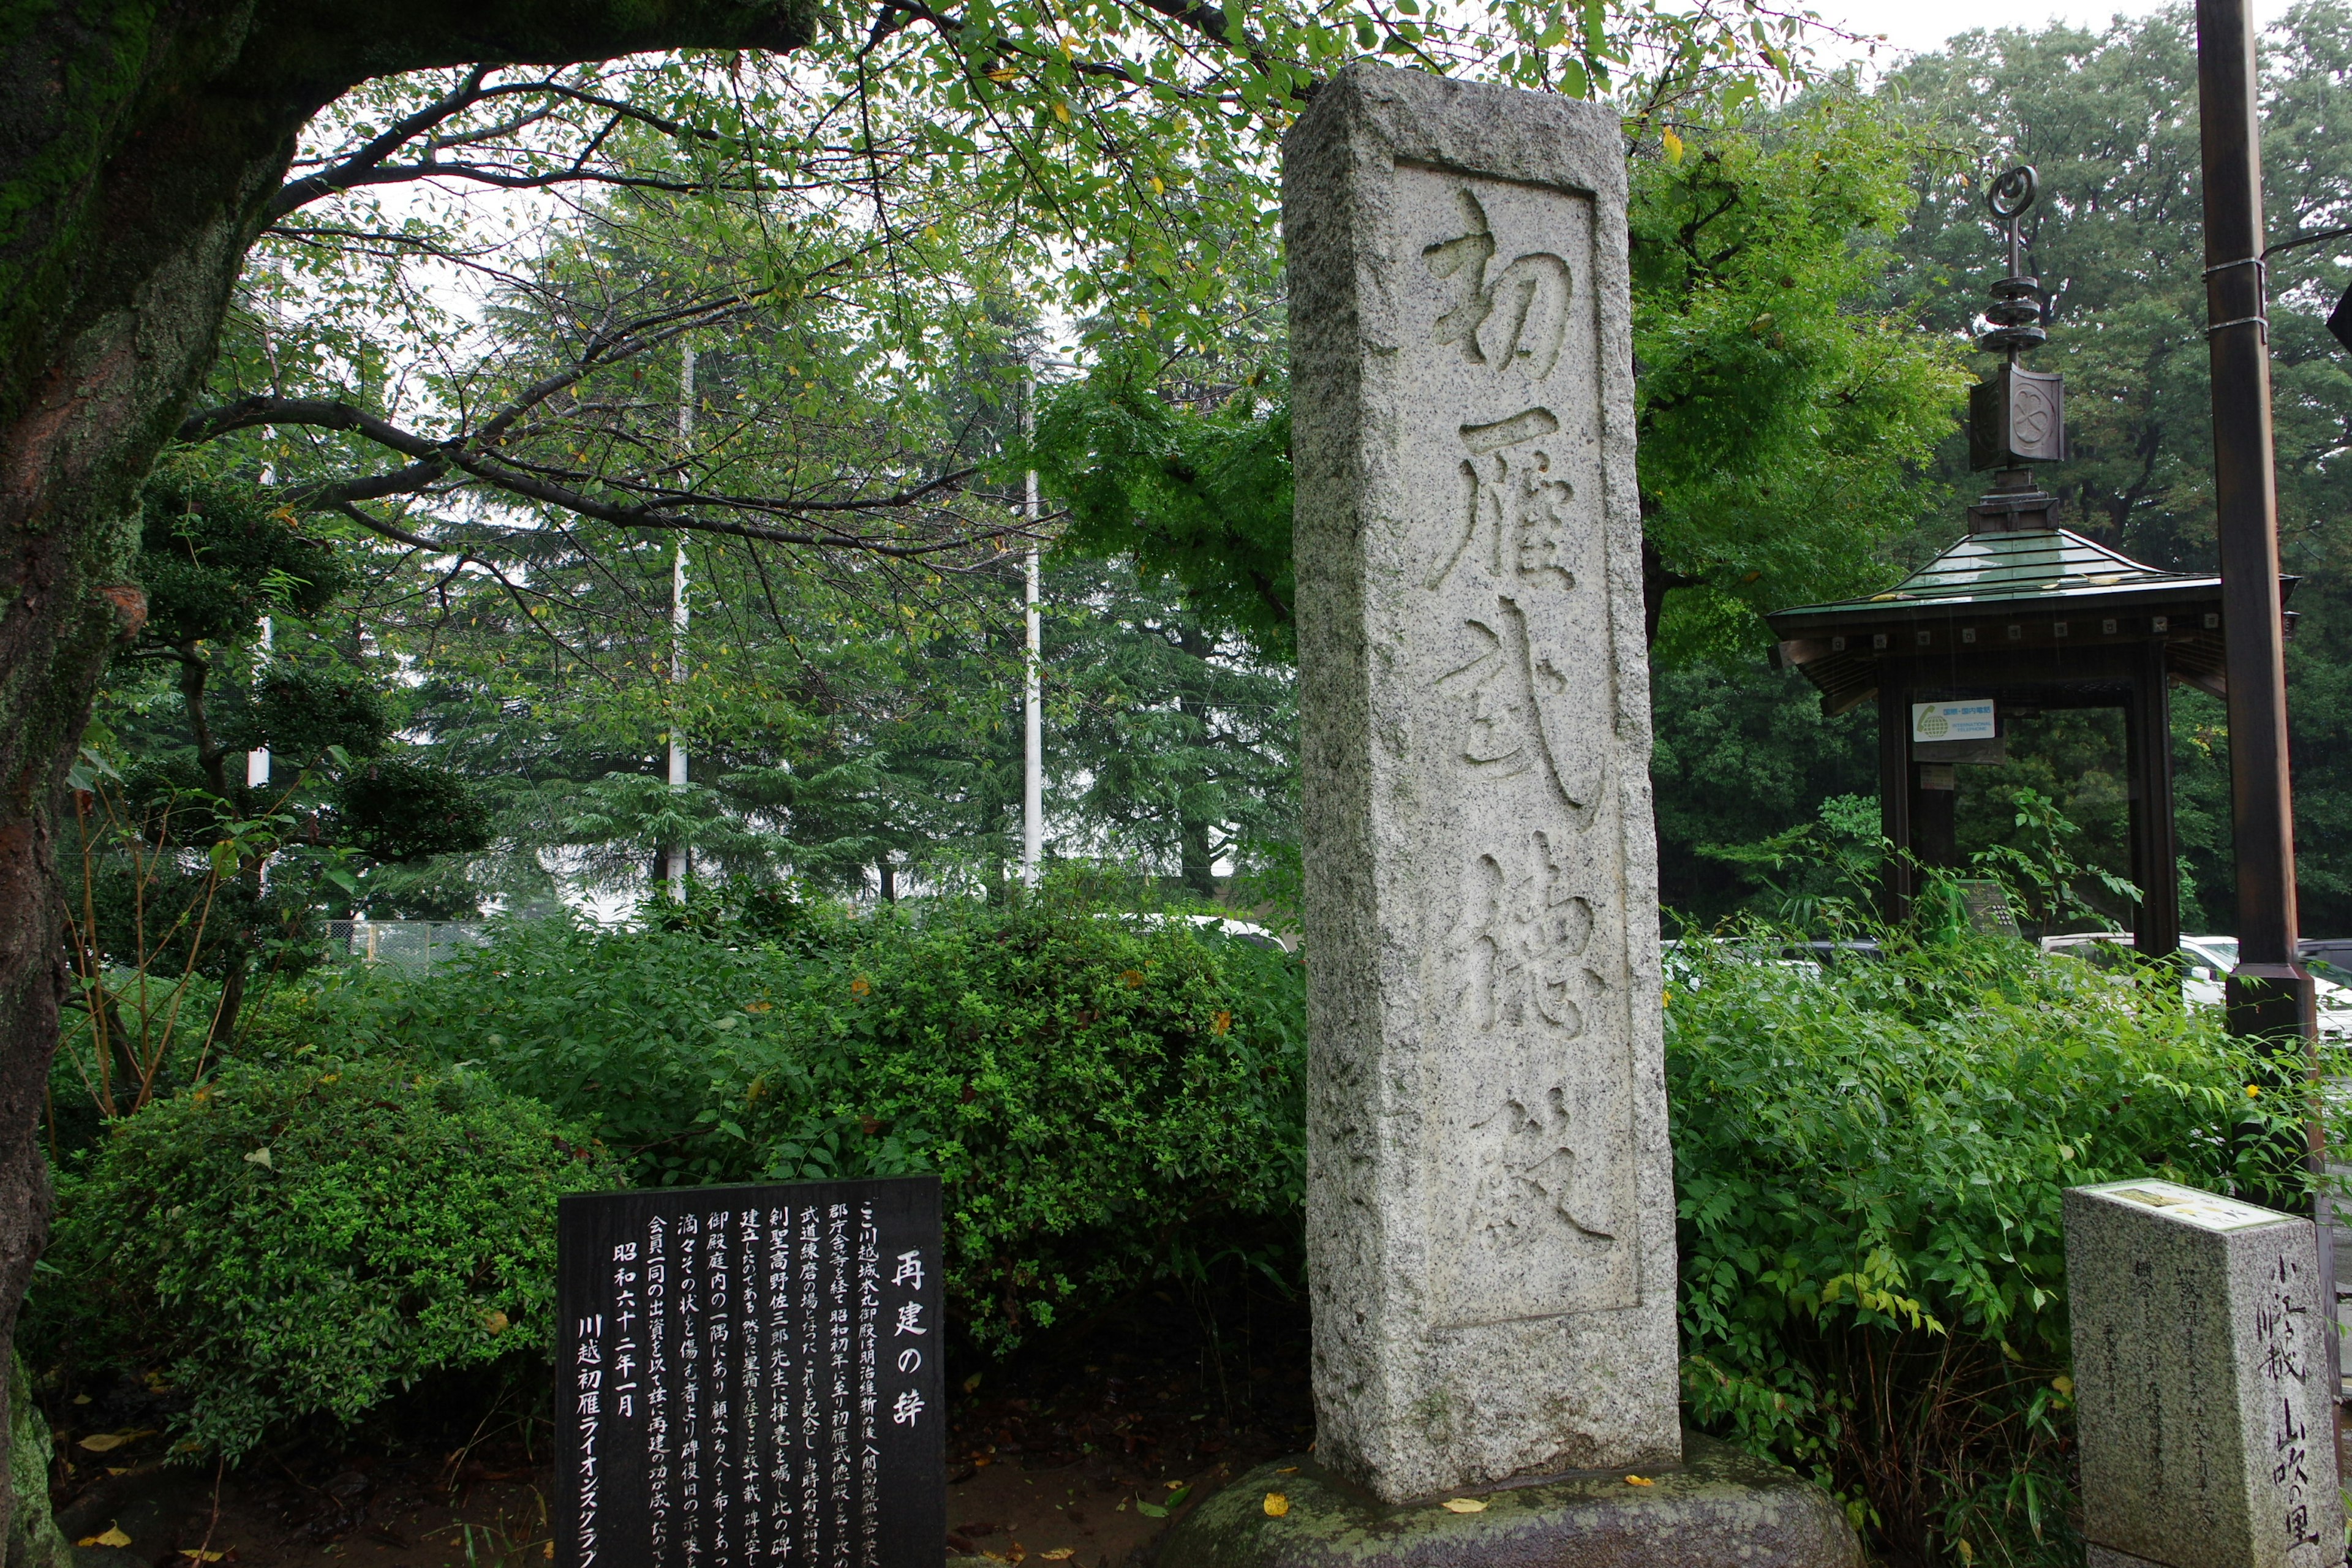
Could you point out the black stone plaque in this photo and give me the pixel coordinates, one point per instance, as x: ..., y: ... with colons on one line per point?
x: 751, y: 1375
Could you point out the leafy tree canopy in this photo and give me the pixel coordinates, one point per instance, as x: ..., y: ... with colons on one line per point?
x: 1785, y: 406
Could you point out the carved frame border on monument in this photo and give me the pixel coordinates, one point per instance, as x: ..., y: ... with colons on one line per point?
x: 1490, y: 1203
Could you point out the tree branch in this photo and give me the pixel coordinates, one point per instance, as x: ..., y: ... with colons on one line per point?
x: 353, y: 170
x: 435, y: 459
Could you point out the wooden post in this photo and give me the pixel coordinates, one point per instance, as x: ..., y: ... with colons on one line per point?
x: 2155, y: 843
x: 2270, y: 992
x: 1894, y: 785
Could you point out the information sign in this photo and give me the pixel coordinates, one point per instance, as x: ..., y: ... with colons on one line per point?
x: 751, y: 1375
x: 1970, y: 721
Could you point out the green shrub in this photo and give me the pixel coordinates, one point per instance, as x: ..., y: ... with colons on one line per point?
x: 656, y: 1040
x: 1869, y: 1166
x: 304, y: 1239
x: 1869, y: 1163
x: 1108, y: 1097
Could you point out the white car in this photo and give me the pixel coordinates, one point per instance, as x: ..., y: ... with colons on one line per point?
x: 2206, y: 962
x: 1241, y: 931
x: 1676, y: 958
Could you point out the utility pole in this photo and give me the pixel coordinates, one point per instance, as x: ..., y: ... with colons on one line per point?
x: 2270, y: 992
x: 1033, y: 752
x: 677, y: 860
x: 256, y: 760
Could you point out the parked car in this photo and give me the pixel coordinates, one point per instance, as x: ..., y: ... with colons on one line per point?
x: 2205, y: 964
x: 2329, y: 957
x: 1809, y: 959
x: 1240, y: 930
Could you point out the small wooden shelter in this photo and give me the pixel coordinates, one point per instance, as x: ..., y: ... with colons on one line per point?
x: 2025, y: 616
x: 2021, y: 615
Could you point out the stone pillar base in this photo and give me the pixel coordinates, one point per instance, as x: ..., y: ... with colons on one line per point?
x: 1720, y: 1506
x: 2100, y: 1556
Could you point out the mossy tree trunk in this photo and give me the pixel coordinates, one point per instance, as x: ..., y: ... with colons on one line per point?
x: 32, y: 1536
x: 143, y: 146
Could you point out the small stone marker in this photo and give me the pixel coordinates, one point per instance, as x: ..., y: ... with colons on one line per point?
x: 1490, y: 1207
x: 2206, y: 1426
x: 751, y: 1375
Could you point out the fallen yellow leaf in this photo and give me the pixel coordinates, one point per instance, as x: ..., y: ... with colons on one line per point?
x: 495, y: 1320
x: 201, y: 1555
x: 1288, y: 1471
x: 1640, y: 1481
x: 107, y: 1442
x: 112, y: 1536
x: 1465, y: 1505
x: 1276, y: 1505
x: 1059, y: 1555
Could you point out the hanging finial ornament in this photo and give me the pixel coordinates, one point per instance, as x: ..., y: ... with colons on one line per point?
x: 2016, y: 416
x: 2016, y: 313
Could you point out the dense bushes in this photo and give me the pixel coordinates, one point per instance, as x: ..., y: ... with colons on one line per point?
x: 1869, y: 1162
x: 681, y: 1053
x: 307, y: 1238
x: 1869, y: 1165
x: 1106, y: 1096
x: 1106, y: 1100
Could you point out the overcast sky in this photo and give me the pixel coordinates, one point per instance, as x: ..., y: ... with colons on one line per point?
x: 1916, y: 24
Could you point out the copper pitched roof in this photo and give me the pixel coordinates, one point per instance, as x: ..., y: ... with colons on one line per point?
x: 2000, y: 568
x: 2047, y: 596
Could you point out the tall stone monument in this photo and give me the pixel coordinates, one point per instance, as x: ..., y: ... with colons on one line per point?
x: 1489, y: 1193
x: 1490, y: 1205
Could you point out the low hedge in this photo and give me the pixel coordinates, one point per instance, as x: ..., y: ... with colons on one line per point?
x: 304, y: 1239
x: 1108, y: 1096
x: 1869, y: 1165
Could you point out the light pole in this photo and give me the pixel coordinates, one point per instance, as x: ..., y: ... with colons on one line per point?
x: 256, y: 760
x: 1032, y: 733
x: 676, y: 866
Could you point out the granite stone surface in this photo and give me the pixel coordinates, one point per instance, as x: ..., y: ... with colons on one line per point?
x: 1490, y: 1211
x: 2204, y: 1421
x: 1717, y: 1507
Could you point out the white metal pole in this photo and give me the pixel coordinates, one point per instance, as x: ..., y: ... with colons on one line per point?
x: 256, y: 760
x: 677, y: 621
x: 1033, y: 760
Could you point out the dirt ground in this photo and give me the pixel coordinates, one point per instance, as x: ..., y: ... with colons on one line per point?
x: 1082, y: 1455
x: 1070, y: 1460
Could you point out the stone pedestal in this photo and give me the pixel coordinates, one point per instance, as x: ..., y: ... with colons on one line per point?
x: 2205, y: 1421
x: 1717, y: 1506
x: 1489, y: 1200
